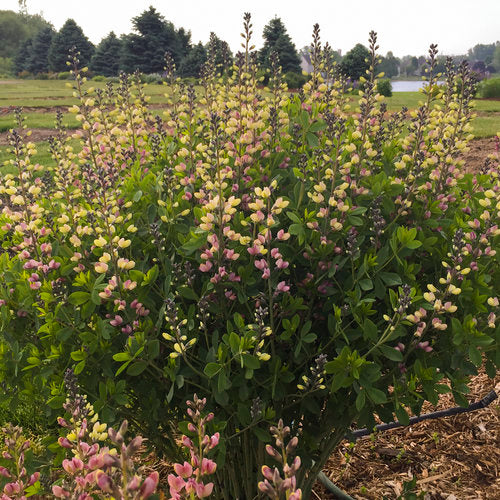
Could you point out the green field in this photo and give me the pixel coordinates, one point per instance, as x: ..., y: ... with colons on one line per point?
x: 42, y: 98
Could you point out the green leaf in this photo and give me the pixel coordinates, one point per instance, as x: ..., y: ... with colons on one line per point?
x: 354, y: 220
x: 151, y: 276
x: 78, y: 355
x: 370, y: 330
x: 376, y: 395
x: 391, y: 279
x: 366, y: 284
x: 250, y: 361
x: 312, y: 140
x: 64, y: 334
x: 136, y: 368
x: 310, y: 337
x: 402, y: 416
x: 122, y: 356
x: 187, y: 292
x: 94, y: 297
x: 413, y: 244
x: 475, y: 356
x: 137, y: 196
x: 79, y: 367
x: 360, y: 400
x: 79, y: 298
x: 234, y: 342
x: 56, y: 402
x: 212, y: 369
x: 262, y: 435
x: 390, y: 353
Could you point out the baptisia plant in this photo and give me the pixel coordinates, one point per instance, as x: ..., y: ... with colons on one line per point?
x: 312, y: 258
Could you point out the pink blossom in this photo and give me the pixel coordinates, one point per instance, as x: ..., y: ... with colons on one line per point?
x: 60, y: 492
x: 205, y: 267
x: 117, y: 321
x: 149, y: 485
x: 185, y: 470
x: 282, y: 287
x: 282, y: 264
x: 261, y: 264
x: 208, y: 466
x: 176, y: 483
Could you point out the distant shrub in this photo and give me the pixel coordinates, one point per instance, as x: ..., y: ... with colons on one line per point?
x: 489, y: 88
x: 295, y: 80
x: 152, y: 78
x: 6, y: 66
x: 384, y: 87
x: 42, y: 76
x: 190, y: 80
x: 64, y: 75
x: 99, y: 78
x: 24, y: 75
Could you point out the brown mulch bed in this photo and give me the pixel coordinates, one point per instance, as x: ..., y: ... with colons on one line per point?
x: 452, y: 458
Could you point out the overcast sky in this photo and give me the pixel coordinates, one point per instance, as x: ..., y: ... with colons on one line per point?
x: 405, y: 27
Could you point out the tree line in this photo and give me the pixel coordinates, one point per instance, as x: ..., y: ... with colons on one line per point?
x: 30, y: 45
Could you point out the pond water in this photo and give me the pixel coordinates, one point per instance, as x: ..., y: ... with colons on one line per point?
x: 408, y: 86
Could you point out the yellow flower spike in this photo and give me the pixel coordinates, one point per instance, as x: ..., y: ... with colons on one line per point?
x: 432, y: 288
x: 105, y: 257
x: 429, y: 297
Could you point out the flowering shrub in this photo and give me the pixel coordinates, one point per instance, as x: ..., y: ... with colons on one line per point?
x: 284, y: 257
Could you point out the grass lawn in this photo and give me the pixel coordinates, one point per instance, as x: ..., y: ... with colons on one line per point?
x: 45, y: 94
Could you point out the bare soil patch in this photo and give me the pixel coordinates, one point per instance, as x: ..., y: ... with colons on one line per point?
x: 37, y: 135
x: 479, y: 149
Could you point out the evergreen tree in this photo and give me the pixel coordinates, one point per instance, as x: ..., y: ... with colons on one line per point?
x: 106, y: 58
x: 223, y: 54
x: 184, y: 41
x: 145, y: 49
x: 276, y: 39
x: 191, y: 65
x: 38, y: 59
x: 22, y: 58
x: 70, y: 35
x: 355, y: 63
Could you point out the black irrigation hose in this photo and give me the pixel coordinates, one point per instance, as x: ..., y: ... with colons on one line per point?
x: 482, y: 403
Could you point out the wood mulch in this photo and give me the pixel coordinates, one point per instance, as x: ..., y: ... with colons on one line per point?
x: 452, y: 458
